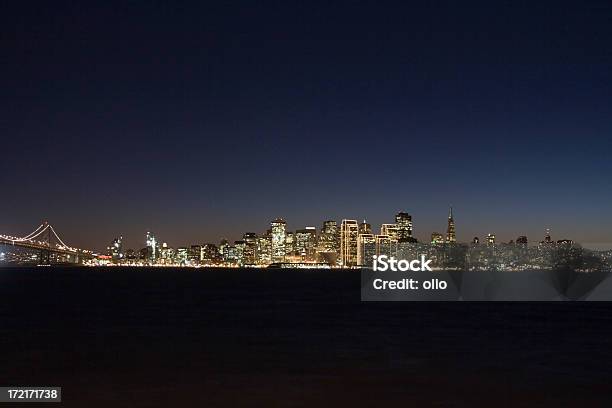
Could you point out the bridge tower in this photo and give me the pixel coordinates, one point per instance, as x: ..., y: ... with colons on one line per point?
x: 44, y: 256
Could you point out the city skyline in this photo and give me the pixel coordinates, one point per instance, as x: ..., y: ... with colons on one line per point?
x: 403, y: 228
x: 347, y: 244
x: 448, y: 236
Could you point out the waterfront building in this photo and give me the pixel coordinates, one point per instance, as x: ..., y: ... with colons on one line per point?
x: 264, y: 249
x: 210, y: 254
x: 328, y: 243
x: 182, y: 255
x: 222, y: 245
x: 167, y: 254
x: 329, y: 239
x: 279, y: 235
x: 366, y: 249
x: 305, y: 244
x: 195, y: 254
x: 115, y: 250
x: 349, y: 231
x: 238, y: 256
x: 386, y: 245
x: 250, y: 248
x: 289, y: 243
x: 231, y: 255
x: 151, y: 248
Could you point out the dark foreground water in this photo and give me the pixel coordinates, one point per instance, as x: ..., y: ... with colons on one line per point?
x: 185, y: 338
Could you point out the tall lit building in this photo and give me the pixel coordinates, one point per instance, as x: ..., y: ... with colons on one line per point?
x: 232, y: 254
x: 366, y: 249
x: 349, y: 231
x: 152, y: 247
x: 167, y: 254
x: 289, y: 243
x: 328, y: 243
x: 385, y: 245
x: 210, y: 254
x: 239, y: 247
x: 279, y: 235
x: 195, y: 254
x: 390, y: 230
x: 222, y: 245
x: 182, y: 255
x: 115, y: 250
x: 490, y: 239
x: 305, y: 243
x: 250, y: 248
x: 264, y: 249
x: 403, y: 221
x: 329, y: 237
x: 450, y: 231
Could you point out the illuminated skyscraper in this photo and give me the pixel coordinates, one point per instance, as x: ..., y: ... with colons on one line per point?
x: 305, y: 243
x: 490, y: 239
x: 182, y: 254
x: 250, y: 248
x: 232, y: 253
x: 224, y: 243
x: 115, y: 250
x: 152, y: 248
x: 328, y: 243
x: 390, y: 230
x: 167, y: 256
x: 279, y: 236
x: 450, y: 231
x: 366, y: 249
x: 404, y: 226
x: 264, y: 248
x: 210, y: 254
x: 349, y: 231
x: 239, y: 247
x: 385, y: 245
x: 329, y: 238
x: 195, y: 253
x: 289, y: 243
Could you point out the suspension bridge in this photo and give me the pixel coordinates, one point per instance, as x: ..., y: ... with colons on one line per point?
x: 48, y: 245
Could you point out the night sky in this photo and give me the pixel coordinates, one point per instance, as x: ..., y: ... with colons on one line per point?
x: 204, y: 120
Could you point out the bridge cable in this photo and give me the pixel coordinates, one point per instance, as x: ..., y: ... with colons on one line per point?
x: 33, y: 236
x: 32, y: 233
x: 58, y: 238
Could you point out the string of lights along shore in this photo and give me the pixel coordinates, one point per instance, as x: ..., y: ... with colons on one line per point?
x: 347, y: 244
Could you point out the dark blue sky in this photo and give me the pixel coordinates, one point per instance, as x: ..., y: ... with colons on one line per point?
x: 204, y: 120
